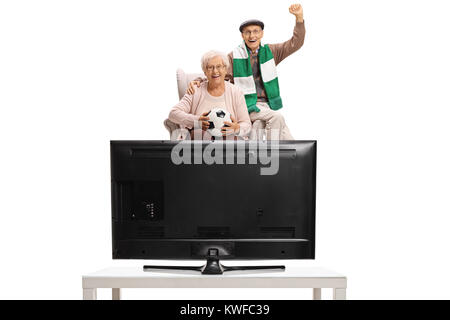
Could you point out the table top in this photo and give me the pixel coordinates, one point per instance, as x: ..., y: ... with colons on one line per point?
x: 289, y: 272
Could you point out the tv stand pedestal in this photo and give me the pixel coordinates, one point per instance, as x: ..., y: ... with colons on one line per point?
x: 117, y: 278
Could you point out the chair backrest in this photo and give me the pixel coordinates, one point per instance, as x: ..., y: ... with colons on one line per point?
x: 183, y: 80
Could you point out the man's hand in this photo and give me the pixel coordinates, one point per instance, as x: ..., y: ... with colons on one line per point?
x: 204, y: 121
x: 297, y: 11
x: 230, y: 127
x: 192, y: 85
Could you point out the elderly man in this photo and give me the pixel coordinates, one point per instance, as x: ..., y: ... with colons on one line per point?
x: 253, y: 69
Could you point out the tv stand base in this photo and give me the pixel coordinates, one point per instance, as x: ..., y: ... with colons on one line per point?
x: 213, y: 266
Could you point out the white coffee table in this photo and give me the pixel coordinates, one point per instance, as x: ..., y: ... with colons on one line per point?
x: 117, y: 278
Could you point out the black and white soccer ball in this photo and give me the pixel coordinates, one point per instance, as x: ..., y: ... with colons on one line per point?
x: 217, y: 117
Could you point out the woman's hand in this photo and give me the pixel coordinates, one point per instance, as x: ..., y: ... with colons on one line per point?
x: 204, y: 120
x: 230, y: 127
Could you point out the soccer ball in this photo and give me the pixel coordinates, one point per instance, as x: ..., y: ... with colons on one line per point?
x: 217, y: 117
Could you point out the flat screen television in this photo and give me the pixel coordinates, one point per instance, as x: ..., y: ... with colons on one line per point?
x: 213, y: 200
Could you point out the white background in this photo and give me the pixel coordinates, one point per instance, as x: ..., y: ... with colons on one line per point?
x: 371, y: 84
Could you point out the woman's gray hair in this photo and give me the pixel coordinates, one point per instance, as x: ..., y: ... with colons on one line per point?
x: 212, y: 54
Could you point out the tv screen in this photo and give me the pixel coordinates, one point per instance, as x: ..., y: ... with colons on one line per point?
x: 245, y: 200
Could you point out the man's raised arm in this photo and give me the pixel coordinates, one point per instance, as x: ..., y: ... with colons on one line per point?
x: 282, y: 50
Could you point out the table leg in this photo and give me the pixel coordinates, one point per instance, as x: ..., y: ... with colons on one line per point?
x: 339, y: 294
x: 116, y: 293
x: 89, y: 294
x: 317, y: 294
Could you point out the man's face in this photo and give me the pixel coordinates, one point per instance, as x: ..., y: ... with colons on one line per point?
x: 252, y: 36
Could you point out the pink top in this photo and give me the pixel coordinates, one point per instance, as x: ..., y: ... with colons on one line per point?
x: 189, y: 109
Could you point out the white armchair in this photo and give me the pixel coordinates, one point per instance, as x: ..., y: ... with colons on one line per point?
x: 183, y: 80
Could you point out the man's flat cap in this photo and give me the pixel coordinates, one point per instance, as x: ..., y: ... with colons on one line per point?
x: 252, y: 22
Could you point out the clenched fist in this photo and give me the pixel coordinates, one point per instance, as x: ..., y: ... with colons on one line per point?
x: 297, y: 11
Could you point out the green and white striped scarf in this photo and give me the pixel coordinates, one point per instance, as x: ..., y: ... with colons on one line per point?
x: 243, y: 76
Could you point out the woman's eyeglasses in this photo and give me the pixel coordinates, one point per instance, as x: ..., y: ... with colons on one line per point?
x: 219, y: 67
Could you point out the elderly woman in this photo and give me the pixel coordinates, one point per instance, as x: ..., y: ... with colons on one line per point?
x: 191, y: 112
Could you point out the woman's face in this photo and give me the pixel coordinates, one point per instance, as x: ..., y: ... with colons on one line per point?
x: 215, y: 70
